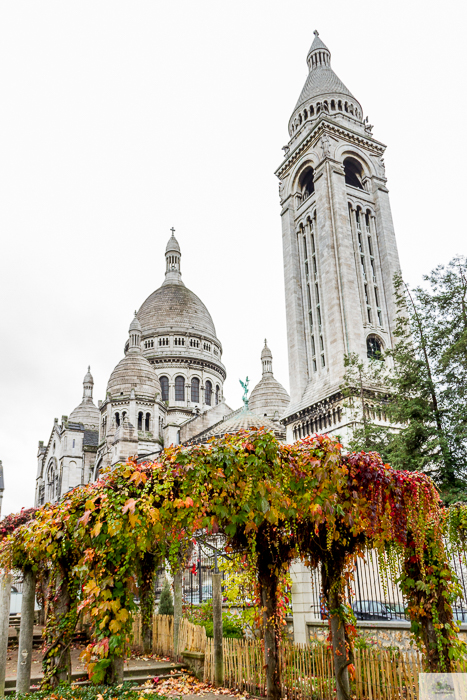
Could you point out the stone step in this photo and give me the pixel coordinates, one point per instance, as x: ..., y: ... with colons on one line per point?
x: 137, y: 675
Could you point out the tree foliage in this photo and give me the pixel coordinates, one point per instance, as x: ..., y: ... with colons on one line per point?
x: 422, y: 383
x: 166, y: 604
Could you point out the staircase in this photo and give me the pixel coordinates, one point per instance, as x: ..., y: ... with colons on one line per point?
x: 136, y: 676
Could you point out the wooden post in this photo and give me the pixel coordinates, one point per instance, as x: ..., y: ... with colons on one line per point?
x: 177, y: 610
x: 26, y: 630
x: 217, y: 629
x: 5, y: 596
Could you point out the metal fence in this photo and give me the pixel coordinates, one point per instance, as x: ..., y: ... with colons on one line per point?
x: 197, y: 573
x: 373, y: 595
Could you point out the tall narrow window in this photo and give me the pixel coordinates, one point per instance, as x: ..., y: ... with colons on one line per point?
x: 208, y: 393
x: 117, y: 419
x: 195, y: 390
x: 218, y: 391
x: 140, y: 420
x: 179, y: 388
x: 147, y: 422
x: 164, y: 388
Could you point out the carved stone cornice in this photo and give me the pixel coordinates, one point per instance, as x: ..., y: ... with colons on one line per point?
x: 315, y: 410
x: 325, y: 125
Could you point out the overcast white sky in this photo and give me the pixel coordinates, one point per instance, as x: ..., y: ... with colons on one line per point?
x: 121, y: 119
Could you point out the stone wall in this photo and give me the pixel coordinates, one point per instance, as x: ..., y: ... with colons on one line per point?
x: 378, y: 634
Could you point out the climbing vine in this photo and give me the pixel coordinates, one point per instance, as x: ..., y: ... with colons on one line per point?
x: 273, y: 503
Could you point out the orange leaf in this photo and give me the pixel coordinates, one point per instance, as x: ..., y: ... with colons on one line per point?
x: 129, y: 506
x: 84, y: 519
x: 188, y: 501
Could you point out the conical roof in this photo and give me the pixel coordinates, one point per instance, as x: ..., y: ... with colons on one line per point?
x: 134, y: 372
x: 173, y: 245
x: 268, y: 398
x: 321, y: 82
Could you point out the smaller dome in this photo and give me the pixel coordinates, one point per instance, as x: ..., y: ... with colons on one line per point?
x: 86, y: 413
x: 240, y: 420
x: 134, y: 372
x: 135, y: 325
x: 269, y: 398
x: 88, y: 377
x: 173, y: 245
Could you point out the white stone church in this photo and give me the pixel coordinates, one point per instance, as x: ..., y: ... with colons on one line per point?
x: 340, y: 258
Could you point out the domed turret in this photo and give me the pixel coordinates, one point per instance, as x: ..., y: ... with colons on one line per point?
x: 87, y: 412
x: 134, y: 373
x: 268, y: 398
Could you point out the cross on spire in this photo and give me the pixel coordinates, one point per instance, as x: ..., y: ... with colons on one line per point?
x: 173, y: 230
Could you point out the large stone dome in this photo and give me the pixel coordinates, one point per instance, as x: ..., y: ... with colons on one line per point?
x: 175, y: 306
x: 134, y: 372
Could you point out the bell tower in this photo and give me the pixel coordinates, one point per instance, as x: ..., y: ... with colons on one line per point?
x: 339, y: 246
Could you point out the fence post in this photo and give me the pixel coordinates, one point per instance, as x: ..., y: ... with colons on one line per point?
x: 5, y: 596
x: 26, y: 631
x: 177, y: 610
x: 217, y: 627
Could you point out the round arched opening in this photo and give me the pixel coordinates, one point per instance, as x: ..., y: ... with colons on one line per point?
x: 374, y: 348
x: 307, y: 183
x: 353, y: 173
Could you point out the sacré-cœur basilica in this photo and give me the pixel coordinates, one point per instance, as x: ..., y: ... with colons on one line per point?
x: 340, y: 258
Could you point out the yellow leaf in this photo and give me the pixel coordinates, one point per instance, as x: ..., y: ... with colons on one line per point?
x: 133, y: 519
x: 114, y: 626
x: 96, y: 529
x: 89, y: 505
x: 122, y: 615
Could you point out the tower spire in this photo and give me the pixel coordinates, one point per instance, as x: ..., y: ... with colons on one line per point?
x: 88, y: 383
x: 266, y: 359
x: 135, y: 336
x: 173, y: 255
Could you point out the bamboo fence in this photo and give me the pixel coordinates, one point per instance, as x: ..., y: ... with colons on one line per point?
x: 307, y: 672
x: 190, y: 637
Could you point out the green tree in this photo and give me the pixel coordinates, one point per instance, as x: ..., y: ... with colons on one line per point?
x: 422, y: 383
x: 166, y: 605
x: 366, y: 400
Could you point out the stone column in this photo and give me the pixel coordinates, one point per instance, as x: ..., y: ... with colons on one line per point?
x: 23, y: 674
x: 5, y: 596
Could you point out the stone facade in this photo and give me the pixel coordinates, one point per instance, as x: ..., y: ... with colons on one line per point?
x: 339, y: 247
x: 68, y: 458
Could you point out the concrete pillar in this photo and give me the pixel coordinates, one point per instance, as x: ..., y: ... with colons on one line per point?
x: 23, y: 675
x: 177, y: 610
x: 217, y: 629
x: 5, y: 595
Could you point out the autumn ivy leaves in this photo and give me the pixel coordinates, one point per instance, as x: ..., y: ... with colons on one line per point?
x: 265, y: 497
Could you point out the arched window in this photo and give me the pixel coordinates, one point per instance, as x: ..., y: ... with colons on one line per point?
x: 208, y: 393
x: 117, y: 419
x: 218, y: 392
x: 374, y: 348
x: 147, y: 422
x: 140, y: 420
x: 195, y: 390
x: 353, y: 173
x: 164, y: 388
x: 179, y: 388
x: 307, y: 184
